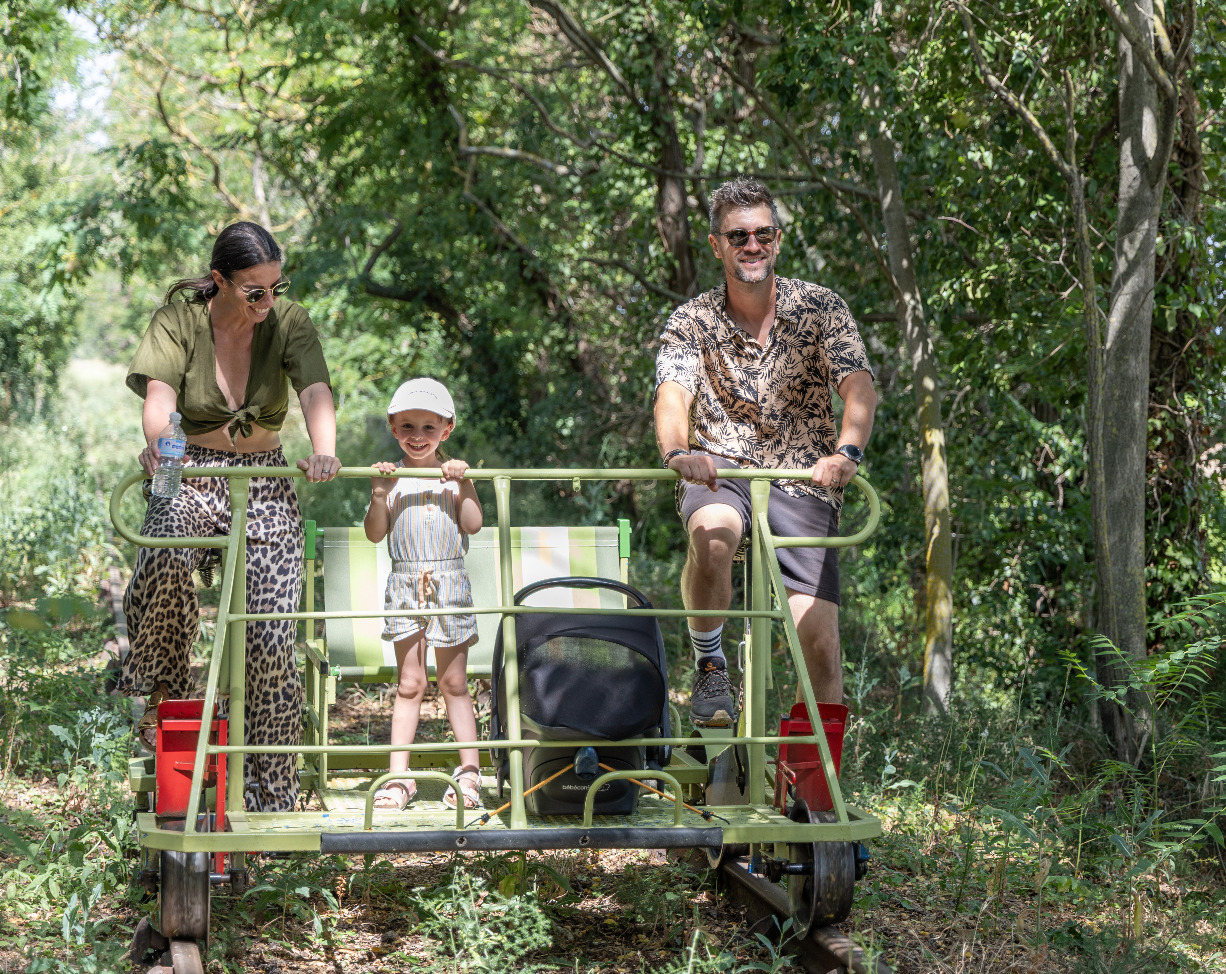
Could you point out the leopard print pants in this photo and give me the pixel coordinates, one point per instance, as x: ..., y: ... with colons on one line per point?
x: 163, y: 613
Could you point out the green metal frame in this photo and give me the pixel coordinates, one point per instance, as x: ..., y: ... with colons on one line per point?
x: 755, y: 822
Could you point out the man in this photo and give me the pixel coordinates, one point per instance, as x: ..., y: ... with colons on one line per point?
x: 752, y: 361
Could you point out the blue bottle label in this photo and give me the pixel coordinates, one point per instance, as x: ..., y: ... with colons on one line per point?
x: 171, y: 446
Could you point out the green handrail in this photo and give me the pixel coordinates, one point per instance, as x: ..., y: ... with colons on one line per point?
x: 589, y: 799
x: 233, y: 605
x: 369, y: 814
x: 481, y: 473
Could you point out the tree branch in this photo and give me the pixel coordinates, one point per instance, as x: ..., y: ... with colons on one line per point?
x: 431, y: 296
x: 185, y: 134
x: 1185, y: 42
x: 814, y: 174
x: 583, y: 361
x: 1143, y: 50
x: 1162, y: 40
x: 826, y: 182
x: 529, y: 259
x: 584, y: 42
x: 212, y: 80
x: 505, y: 76
x: 1067, y: 167
x: 638, y: 276
x: 750, y: 89
x: 517, y: 155
x: 379, y: 251
x: 1168, y: 109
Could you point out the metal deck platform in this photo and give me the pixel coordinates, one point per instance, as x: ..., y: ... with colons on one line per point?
x: 429, y: 826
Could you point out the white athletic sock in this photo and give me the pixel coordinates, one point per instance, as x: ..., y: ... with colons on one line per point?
x: 707, y: 644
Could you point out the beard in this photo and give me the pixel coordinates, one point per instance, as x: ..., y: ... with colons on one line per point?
x: 755, y: 274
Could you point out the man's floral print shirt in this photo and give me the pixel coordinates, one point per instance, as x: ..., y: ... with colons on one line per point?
x: 765, y: 406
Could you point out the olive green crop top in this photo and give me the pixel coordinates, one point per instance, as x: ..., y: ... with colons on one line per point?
x: 178, y: 349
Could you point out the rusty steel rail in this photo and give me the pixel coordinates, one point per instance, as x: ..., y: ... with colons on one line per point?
x: 185, y: 957
x: 825, y: 949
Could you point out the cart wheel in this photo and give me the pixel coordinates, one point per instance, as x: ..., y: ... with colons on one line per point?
x: 183, y: 895
x: 825, y: 895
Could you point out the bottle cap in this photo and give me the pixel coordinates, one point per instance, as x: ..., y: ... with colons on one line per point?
x: 175, y: 417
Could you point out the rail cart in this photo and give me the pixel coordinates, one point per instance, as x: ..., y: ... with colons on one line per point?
x: 763, y: 789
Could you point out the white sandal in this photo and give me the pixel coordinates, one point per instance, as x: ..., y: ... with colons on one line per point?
x: 469, y: 782
x: 397, y: 793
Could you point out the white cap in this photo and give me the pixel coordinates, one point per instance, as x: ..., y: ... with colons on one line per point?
x: 423, y: 394
x: 175, y: 417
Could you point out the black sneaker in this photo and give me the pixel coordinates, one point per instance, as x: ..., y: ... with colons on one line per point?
x: 711, y: 699
x: 208, y: 567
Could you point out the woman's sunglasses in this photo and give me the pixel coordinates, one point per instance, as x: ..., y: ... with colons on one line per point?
x: 254, y: 294
x: 739, y: 238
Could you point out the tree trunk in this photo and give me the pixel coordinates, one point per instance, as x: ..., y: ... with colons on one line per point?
x: 672, y: 209
x: 938, y: 637
x: 1180, y: 428
x: 1126, y: 376
x: 672, y: 213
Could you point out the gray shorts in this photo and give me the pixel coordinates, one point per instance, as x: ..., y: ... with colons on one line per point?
x: 441, y: 587
x: 813, y: 571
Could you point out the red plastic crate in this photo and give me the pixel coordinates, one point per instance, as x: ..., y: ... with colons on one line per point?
x: 178, y: 729
x: 800, y: 765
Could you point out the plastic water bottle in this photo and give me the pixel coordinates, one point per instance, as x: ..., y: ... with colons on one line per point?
x: 172, y: 445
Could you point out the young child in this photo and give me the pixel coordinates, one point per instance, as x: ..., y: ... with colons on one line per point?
x: 426, y: 524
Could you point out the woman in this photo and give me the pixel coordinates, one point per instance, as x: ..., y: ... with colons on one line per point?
x: 224, y: 359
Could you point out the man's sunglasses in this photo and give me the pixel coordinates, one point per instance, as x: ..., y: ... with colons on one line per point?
x: 739, y: 238
x: 254, y: 294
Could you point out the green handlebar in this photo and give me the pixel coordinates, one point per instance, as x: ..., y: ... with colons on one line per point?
x: 474, y: 473
x: 144, y: 541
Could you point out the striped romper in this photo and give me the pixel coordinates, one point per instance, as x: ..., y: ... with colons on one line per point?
x: 427, y: 550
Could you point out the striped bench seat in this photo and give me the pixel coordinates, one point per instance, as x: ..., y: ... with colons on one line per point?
x: 354, y: 578
x: 355, y: 574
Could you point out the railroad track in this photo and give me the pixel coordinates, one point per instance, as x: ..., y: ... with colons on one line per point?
x: 177, y: 956
x: 825, y: 949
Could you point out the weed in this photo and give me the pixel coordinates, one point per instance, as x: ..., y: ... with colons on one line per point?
x: 776, y: 959
x: 700, y: 959
x: 292, y: 892
x: 513, y: 873
x: 483, y: 929
x: 654, y: 895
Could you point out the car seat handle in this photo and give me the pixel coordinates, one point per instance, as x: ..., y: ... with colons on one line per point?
x: 583, y: 581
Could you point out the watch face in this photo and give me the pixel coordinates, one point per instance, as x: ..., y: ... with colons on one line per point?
x: 853, y: 453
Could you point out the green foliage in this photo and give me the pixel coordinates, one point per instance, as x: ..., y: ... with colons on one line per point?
x: 700, y: 959
x: 66, y: 852
x: 501, y: 264
x: 40, y: 175
x: 486, y: 933
x: 1010, y: 823
x: 50, y: 519
x: 36, y: 45
x: 650, y: 896
x: 529, y: 268
x: 298, y: 895
x: 1182, y: 715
